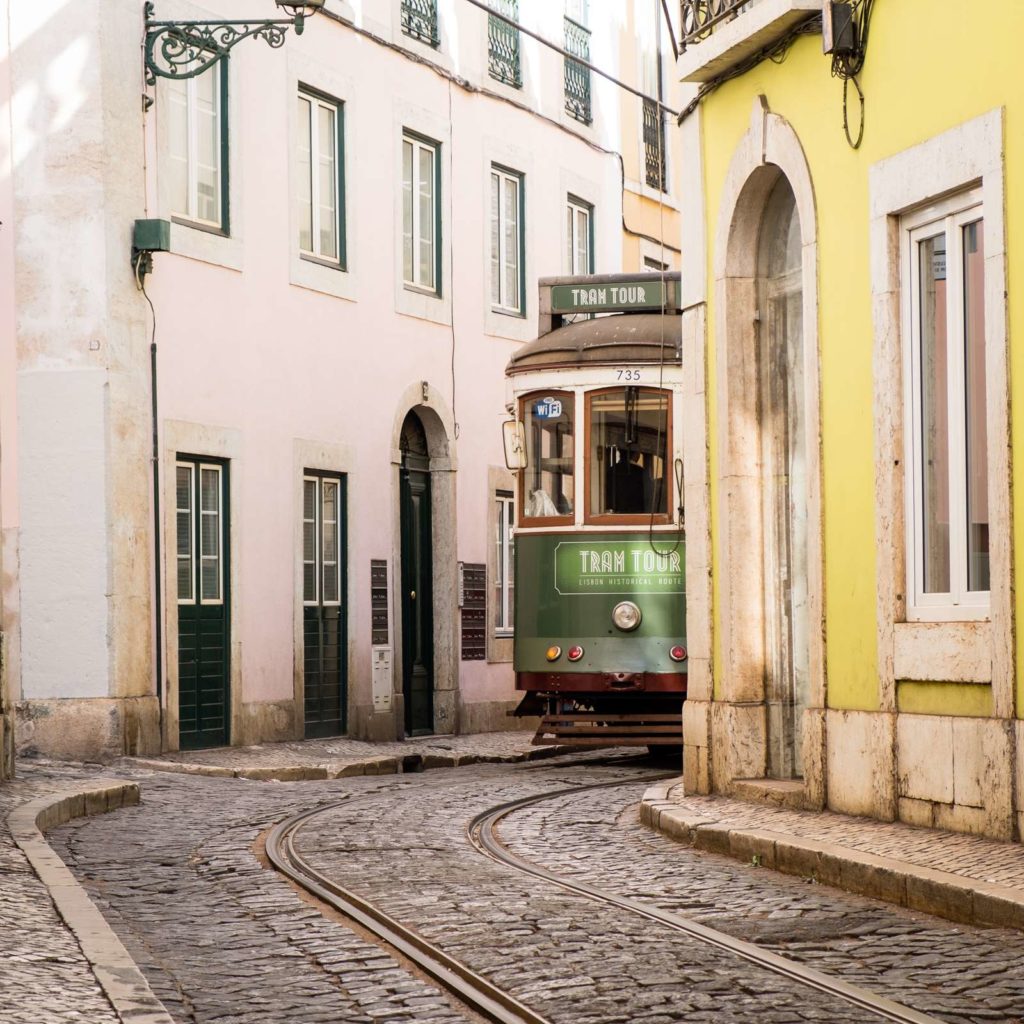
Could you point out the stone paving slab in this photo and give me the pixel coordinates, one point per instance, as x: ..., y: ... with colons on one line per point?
x: 965, y: 878
x: 306, y: 760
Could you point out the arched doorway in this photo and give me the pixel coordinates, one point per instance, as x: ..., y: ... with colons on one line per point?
x: 416, y: 579
x: 782, y: 421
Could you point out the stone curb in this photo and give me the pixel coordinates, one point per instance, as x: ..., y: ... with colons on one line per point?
x: 119, y: 976
x: 955, y: 897
x: 413, y: 762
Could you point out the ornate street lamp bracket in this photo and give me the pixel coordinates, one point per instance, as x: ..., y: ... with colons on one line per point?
x: 184, y: 49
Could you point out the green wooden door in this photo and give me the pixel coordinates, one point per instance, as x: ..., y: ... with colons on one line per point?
x: 417, y: 597
x: 324, y: 558
x: 204, y: 630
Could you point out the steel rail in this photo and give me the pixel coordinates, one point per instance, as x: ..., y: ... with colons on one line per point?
x: 480, y: 832
x: 469, y: 987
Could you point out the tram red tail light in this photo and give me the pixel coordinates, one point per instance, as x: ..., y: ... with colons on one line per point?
x: 677, y: 653
x: 553, y: 653
x: 575, y: 653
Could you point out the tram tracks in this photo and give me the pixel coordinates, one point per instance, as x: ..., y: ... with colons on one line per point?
x: 481, y: 833
x: 472, y: 989
x: 491, y: 1002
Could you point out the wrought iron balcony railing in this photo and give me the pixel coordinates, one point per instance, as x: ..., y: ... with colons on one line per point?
x: 700, y: 17
x: 503, y: 44
x: 654, y: 145
x: 419, y: 20
x: 577, y: 75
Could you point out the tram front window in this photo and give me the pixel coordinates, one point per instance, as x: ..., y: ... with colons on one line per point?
x: 628, y: 452
x: 548, y: 477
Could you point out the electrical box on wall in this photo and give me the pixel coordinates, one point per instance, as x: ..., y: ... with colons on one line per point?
x: 380, y: 658
x: 152, y: 236
x: 838, y: 29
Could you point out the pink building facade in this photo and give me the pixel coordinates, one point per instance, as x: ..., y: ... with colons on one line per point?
x: 275, y: 506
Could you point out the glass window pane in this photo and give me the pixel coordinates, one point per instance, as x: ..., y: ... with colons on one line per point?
x: 975, y: 386
x: 211, y: 579
x: 184, y: 579
x: 177, y: 146
x: 628, y: 452
x: 407, y: 271
x: 934, y: 415
x: 309, y: 582
x: 511, y: 582
x: 496, y: 239
x: 208, y: 145
x: 328, y: 183
x: 499, y: 565
x: 426, y: 215
x: 304, y: 194
x: 582, y: 242
x: 210, y: 496
x: 548, y: 484
x: 569, y: 240
x: 511, y: 296
x: 331, y: 582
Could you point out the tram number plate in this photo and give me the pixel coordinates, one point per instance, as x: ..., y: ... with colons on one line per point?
x: 627, y: 374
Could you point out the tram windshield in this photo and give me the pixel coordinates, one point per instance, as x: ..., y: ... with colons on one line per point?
x: 548, y: 477
x: 628, y: 451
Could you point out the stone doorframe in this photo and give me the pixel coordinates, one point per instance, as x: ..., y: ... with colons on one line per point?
x: 738, y: 726
x: 439, y: 426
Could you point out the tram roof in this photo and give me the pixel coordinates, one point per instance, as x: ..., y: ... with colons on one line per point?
x: 618, y: 338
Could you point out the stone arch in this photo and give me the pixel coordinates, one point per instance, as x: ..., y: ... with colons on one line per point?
x: 770, y: 149
x: 438, y: 424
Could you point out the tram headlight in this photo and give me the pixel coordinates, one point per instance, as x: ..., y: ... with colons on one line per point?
x: 626, y: 616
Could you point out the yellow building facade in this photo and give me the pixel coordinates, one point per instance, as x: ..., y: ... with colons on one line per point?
x: 853, y: 527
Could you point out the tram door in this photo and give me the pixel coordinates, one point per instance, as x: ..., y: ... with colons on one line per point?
x: 417, y: 575
x: 784, y: 484
x: 204, y: 635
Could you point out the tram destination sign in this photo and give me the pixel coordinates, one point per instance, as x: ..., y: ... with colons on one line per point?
x: 618, y: 567
x: 607, y: 298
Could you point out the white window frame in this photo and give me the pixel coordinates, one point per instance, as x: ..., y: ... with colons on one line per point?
x: 314, y: 601
x: 502, y: 178
x: 949, y: 216
x: 317, y: 102
x: 319, y: 521
x: 198, y: 521
x: 575, y: 207
x: 416, y: 283
x: 505, y: 500
x: 190, y: 509
x: 190, y: 214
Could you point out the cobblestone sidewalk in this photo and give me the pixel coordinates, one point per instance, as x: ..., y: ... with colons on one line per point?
x: 335, y: 758
x: 961, y: 877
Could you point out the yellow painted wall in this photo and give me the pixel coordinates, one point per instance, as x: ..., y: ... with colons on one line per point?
x: 924, y: 74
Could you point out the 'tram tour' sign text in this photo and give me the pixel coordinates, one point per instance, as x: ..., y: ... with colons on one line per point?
x: 604, y: 298
x: 621, y: 567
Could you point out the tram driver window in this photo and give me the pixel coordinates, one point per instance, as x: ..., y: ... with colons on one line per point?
x: 628, y: 451
x: 548, y: 477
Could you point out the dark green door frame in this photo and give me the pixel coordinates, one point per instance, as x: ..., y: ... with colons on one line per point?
x: 325, y: 604
x: 204, y: 605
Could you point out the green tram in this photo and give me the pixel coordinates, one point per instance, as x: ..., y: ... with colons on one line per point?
x: 600, y: 604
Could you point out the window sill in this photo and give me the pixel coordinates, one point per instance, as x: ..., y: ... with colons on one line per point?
x: 502, y: 311
x: 322, y: 261
x: 321, y: 276
x: 953, y: 652
x: 205, y: 244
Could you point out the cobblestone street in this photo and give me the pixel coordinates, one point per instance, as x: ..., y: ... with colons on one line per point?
x: 223, y: 939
